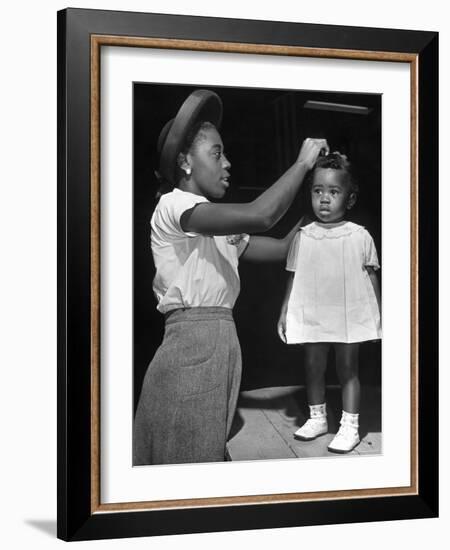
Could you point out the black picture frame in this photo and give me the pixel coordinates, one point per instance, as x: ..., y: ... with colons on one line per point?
x: 80, y: 35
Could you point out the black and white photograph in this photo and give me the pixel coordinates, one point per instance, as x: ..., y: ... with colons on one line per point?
x: 256, y: 274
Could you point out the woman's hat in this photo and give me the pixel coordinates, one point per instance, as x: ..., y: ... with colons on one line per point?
x: 200, y: 106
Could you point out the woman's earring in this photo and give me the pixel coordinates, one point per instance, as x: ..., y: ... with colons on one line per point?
x: 187, y: 171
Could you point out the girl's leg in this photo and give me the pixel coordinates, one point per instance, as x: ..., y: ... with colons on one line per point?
x: 315, y: 366
x: 347, y: 366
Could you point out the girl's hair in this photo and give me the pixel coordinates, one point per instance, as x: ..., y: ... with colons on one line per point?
x: 194, y: 136
x: 337, y: 161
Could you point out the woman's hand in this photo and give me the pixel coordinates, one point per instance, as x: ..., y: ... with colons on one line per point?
x: 281, y: 326
x: 310, y: 150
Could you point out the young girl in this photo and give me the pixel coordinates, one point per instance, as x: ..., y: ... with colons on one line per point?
x: 190, y: 389
x: 332, y: 298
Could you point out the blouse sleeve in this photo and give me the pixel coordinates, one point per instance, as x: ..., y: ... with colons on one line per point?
x: 370, y: 252
x: 175, y: 208
x: 291, y: 262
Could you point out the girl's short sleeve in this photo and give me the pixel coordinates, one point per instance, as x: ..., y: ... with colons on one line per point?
x: 291, y: 262
x: 370, y: 252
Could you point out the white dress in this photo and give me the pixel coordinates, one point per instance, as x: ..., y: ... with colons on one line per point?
x: 332, y: 297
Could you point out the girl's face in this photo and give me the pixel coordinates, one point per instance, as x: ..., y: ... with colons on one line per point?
x: 209, y: 165
x: 330, y: 195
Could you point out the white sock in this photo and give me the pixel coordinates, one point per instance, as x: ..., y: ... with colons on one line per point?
x: 318, y: 411
x: 350, y: 419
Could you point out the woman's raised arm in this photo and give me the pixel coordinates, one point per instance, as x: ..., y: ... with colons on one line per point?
x: 262, y: 213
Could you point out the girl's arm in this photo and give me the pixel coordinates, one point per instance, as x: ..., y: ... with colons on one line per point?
x: 375, y: 284
x: 282, y: 320
x: 262, y: 213
x: 268, y: 249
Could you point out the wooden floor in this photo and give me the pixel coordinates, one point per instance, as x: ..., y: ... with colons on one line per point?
x: 267, y: 418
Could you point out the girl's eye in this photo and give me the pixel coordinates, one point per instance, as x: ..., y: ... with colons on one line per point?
x: 218, y: 154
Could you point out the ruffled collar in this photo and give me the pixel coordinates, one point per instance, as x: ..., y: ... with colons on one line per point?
x: 319, y: 231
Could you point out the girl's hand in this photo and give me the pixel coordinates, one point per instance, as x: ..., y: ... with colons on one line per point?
x: 310, y: 150
x: 282, y: 327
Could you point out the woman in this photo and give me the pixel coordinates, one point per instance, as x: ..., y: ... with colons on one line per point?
x: 190, y: 390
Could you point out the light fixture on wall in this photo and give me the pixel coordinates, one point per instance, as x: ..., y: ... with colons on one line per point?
x: 339, y: 107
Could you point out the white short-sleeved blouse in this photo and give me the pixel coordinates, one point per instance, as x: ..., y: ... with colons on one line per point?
x: 192, y: 270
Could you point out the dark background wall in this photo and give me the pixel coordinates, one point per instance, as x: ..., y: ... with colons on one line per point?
x: 262, y: 131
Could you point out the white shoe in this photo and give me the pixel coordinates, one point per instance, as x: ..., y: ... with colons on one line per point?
x: 345, y: 440
x: 312, y: 428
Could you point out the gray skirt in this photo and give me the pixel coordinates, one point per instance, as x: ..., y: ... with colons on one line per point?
x: 190, y: 390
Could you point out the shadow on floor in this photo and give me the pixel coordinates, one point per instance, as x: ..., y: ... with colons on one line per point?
x: 266, y: 419
x: 47, y: 526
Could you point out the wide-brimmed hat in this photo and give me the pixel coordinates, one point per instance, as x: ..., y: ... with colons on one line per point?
x: 200, y: 106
